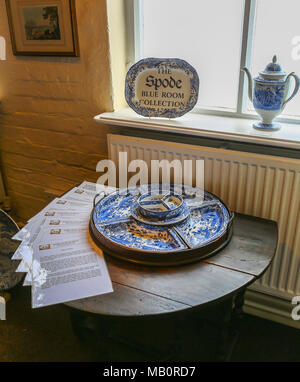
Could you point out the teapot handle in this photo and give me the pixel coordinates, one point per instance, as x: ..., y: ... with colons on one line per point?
x: 297, y: 84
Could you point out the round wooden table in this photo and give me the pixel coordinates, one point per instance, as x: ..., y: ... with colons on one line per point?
x: 215, y: 285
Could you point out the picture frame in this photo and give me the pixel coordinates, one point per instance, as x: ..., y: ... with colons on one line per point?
x: 43, y: 27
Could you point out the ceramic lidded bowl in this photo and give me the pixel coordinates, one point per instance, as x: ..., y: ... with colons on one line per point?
x: 160, y: 206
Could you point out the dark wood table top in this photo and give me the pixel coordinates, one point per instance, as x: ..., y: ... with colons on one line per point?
x: 144, y: 290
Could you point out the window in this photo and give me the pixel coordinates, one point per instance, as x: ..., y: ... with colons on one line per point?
x: 218, y: 38
x: 276, y: 30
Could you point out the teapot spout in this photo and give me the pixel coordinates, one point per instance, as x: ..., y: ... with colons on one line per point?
x: 246, y: 70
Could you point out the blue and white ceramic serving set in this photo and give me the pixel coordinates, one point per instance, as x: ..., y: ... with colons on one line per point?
x: 270, y: 93
x: 156, y: 225
x: 160, y: 206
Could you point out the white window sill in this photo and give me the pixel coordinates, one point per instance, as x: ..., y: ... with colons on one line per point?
x: 226, y: 128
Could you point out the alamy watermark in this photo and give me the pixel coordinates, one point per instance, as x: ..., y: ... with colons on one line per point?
x: 296, y: 311
x: 295, y: 53
x: 2, y: 308
x: 186, y: 173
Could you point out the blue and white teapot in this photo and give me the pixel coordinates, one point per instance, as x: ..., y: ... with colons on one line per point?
x: 270, y: 95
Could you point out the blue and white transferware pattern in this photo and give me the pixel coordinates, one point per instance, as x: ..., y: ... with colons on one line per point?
x: 160, y: 205
x: 271, y: 93
x: 8, y: 276
x: 184, y: 213
x: 139, y: 236
x: 162, y: 87
x: 204, y: 224
x: 203, y: 219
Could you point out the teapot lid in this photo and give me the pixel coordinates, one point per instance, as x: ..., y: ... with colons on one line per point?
x: 272, y: 71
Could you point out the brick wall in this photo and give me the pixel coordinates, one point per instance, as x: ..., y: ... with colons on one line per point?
x: 48, y: 140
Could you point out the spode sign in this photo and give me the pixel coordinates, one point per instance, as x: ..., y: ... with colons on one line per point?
x: 162, y: 87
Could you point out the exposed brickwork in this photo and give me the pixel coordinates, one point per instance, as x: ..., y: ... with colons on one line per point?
x: 48, y: 140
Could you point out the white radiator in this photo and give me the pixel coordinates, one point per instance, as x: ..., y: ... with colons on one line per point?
x: 254, y: 184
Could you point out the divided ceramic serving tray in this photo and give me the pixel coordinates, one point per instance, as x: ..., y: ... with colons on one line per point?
x: 8, y: 275
x: 203, y: 227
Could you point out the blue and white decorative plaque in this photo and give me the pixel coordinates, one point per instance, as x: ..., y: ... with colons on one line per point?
x: 165, y: 87
x: 201, y: 227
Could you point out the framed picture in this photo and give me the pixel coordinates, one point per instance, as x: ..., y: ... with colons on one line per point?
x: 43, y: 27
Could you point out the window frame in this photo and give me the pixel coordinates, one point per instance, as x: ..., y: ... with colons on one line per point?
x: 134, y: 37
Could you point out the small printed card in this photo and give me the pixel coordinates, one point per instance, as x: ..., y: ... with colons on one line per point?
x: 56, y: 253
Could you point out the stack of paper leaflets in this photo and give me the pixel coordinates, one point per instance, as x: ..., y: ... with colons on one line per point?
x: 60, y: 261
